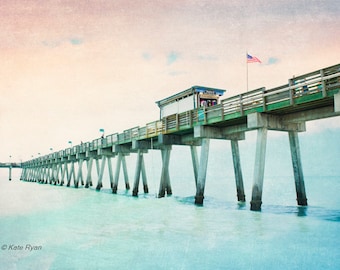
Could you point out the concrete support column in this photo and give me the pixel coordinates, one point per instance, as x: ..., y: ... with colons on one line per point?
x: 101, y: 174
x: 71, y: 174
x: 22, y: 173
x: 48, y: 177
x: 126, y: 176
x: 10, y: 173
x: 202, y: 171
x: 62, y: 173
x: 297, y: 168
x: 89, y: 173
x: 109, y: 165
x: 65, y: 172
x: 97, y: 167
x: 28, y: 174
x: 144, y: 178
x: 137, y: 173
x: 54, y: 173
x: 46, y: 172
x: 117, y: 172
x: 165, y: 186
x: 260, y: 156
x: 195, y: 164
x: 79, y: 174
x: 238, y: 171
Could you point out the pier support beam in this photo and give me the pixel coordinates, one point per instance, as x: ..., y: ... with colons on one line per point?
x: 238, y: 171
x: 79, y: 174
x: 10, y: 173
x: 195, y: 164
x: 71, y: 174
x: 117, y: 172
x: 256, y: 199
x: 202, y: 171
x: 101, y: 174
x: 125, y: 172
x: 165, y: 186
x: 89, y: 173
x: 140, y: 169
x: 297, y: 168
x: 109, y: 165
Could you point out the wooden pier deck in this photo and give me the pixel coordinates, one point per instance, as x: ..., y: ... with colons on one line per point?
x: 286, y: 108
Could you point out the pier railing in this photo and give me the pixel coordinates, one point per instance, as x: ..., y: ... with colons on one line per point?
x: 301, y: 89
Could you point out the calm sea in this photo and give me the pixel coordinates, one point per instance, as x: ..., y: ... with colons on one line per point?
x: 51, y: 227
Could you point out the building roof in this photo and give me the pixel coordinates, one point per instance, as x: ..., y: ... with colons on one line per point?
x: 188, y: 92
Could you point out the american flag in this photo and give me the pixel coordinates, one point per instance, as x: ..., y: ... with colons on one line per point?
x: 252, y: 59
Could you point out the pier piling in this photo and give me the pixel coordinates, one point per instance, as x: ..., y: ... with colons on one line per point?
x: 297, y: 168
x: 202, y: 172
x: 238, y: 171
x: 256, y: 199
x: 165, y: 186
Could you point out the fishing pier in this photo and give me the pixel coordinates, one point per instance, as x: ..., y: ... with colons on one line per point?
x: 192, y: 118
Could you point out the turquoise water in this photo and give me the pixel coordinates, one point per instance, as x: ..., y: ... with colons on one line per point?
x: 52, y: 227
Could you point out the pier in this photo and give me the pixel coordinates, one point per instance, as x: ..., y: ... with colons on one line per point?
x: 284, y: 108
x: 10, y: 166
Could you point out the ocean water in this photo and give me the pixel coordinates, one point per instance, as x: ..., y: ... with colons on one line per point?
x: 51, y: 227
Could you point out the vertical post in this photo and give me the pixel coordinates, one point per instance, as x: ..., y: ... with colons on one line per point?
x: 117, y: 172
x: 97, y: 167
x: 202, y: 171
x: 70, y: 174
x: 22, y: 173
x: 194, y: 159
x: 297, y: 168
x: 10, y: 173
x: 65, y: 171
x: 73, y: 171
x: 238, y: 171
x: 260, y: 156
x: 62, y: 174
x: 79, y: 174
x: 126, y: 176
x: 145, y: 181
x: 89, y: 173
x: 165, y: 178
x: 101, y: 174
x: 137, y: 173
x: 48, y: 179
x: 109, y: 165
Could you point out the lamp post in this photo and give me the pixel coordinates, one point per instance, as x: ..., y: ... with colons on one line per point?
x: 10, y: 168
x: 102, y: 131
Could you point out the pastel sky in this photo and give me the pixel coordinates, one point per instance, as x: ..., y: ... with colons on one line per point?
x: 70, y: 67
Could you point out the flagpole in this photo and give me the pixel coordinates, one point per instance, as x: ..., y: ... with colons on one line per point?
x: 247, y: 68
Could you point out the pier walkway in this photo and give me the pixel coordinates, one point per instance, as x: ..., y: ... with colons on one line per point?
x: 286, y: 108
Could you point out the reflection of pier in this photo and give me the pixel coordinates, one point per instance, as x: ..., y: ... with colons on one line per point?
x: 285, y: 108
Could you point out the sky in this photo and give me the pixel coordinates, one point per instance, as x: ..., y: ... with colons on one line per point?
x: 70, y: 68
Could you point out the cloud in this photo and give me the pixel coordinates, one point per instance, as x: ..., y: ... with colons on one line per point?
x: 147, y: 56
x: 207, y: 57
x: 177, y: 73
x: 272, y: 61
x: 172, y: 57
x: 56, y: 43
x: 75, y: 41
x: 51, y: 43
